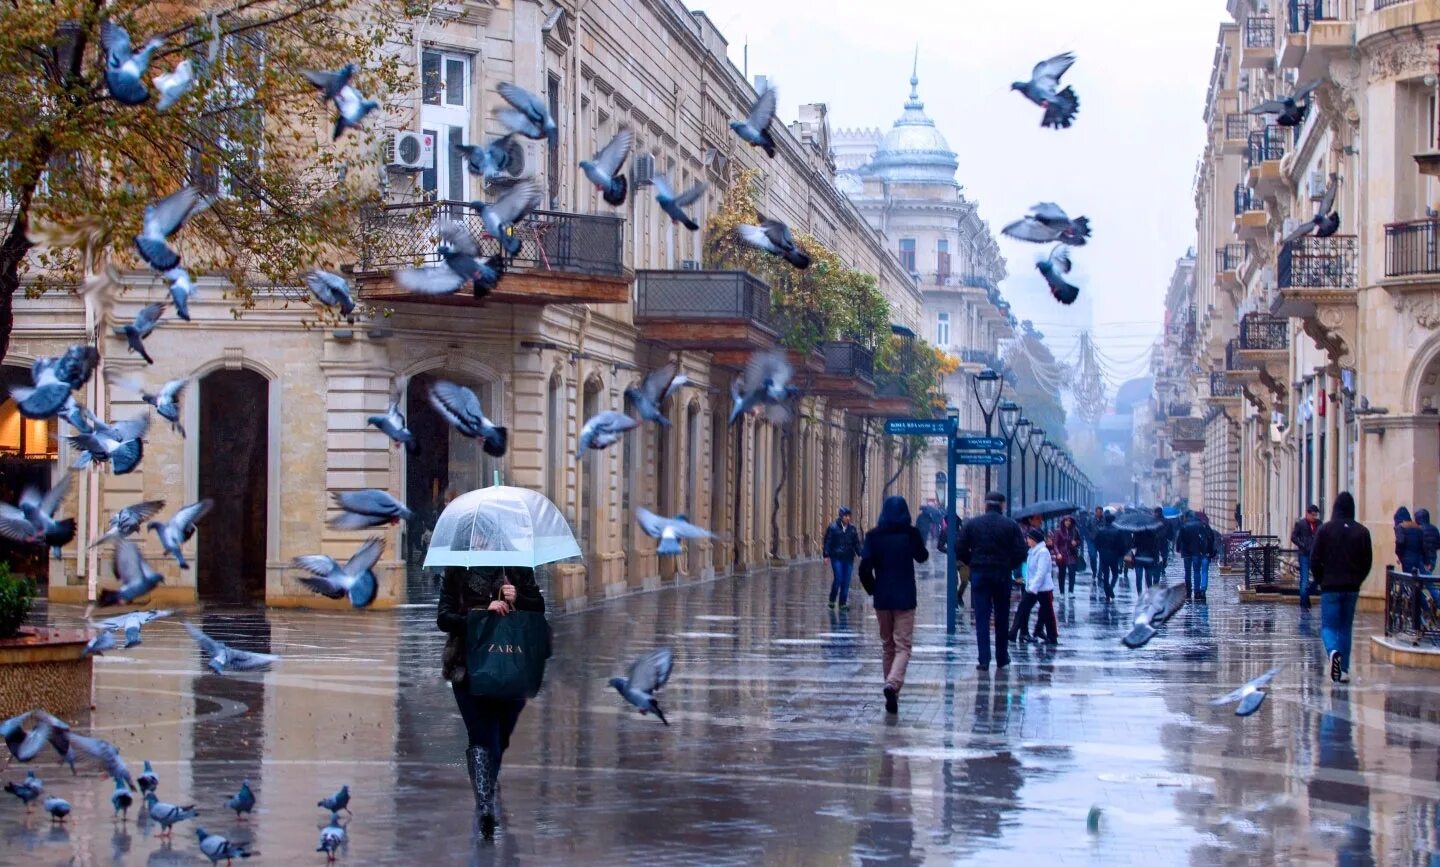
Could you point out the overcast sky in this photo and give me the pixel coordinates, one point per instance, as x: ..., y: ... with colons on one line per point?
x: 1128, y: 162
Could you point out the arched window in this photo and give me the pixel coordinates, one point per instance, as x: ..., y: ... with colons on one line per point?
x: 555, y: 463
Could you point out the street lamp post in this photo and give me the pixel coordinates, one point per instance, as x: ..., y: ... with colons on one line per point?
x: 1037, y: 440
x: 1009, y: 420
x: 1022, y: 434
x: 987, y: 385
x: 1047, y: 454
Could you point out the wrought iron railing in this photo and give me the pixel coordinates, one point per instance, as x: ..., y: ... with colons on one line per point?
x: 1259, y: 31
x: 1319, y: 263
x: 977, y: 281
x: 1266, y: 144
x: 1262, y: 331
x: 703, y: 295
x: 1385, y: 4
x: 1412, y: 248
x: 1233, y: 361
x: 1246, y: 201
x: 980, y: 356
x: 1188, y: 428
x: 398, y: 236
x: 1229, y: 257
x: 1178, y: 410
x: 1299, y: 17
x: 1261, y: 556
x: 1222, y: 386
x: 1412, y: 607
x: 1237, y: 126
x: 847, y: 358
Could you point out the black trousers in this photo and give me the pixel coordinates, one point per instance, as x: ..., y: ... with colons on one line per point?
x: 488, y: 721
x: 1110, y: 576
x: 1020, y: 629
x: 990, y: 596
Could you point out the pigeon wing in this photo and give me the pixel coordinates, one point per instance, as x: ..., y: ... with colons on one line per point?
x: 51, y: 501
x: 173, y: 390
x: 459, y: 238
x: 1049, y: 212
x: 1048, y: 72
x: 518, y: 201
x: 186, y: 517
x: 615, y: 422
x: 149, y: 316
x: 1262, y: 680
x: 1230, y: 697
x: 614, y: 154
x: 162, y: 218
x: 1299, y: 232
x: 1269, y: 106
x: 132, y: 428
x: 523, y: 100
x: 14, y: 525
x: 1327, y: 202
x: 651, y: 671
x: 1030, y: 230
x: 687, y: 530
x: 457, y: 401
x: 690, y: 196
x: 371, y: 501
x: 116, y: 43
x: 207, y: 644
x: 365, y: 558
x: 768, y: 367
x: 1305, y: 90
x: 1060, y: 258
x: 763, y: 111
x: 756, y: 237
x: 653, y: 525
x: 319, y: 565
x: 657, y: 384
x: 662, y: 187
x: 128, y: 562
x: 430, y: 281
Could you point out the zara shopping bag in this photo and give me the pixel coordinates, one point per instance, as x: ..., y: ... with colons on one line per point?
x: 505, y: 654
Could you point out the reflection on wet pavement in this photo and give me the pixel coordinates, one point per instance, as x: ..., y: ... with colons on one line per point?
x: 779, y: 749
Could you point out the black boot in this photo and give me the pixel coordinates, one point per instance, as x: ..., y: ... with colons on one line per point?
x: 482, y: 780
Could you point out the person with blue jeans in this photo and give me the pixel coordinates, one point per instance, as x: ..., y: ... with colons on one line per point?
x: 1302, y: 536
x: 993, y: 546
x: 841, y: 546
x: 1340, y: 559
x: 1210, y: 545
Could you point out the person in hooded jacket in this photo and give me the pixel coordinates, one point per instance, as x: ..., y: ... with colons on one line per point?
x: 1430, y: 534
x: 842, y: 543
x: 887, y: 570
x: 1340, y: 560
x: 1110, y: 547
x: 1409, y: 542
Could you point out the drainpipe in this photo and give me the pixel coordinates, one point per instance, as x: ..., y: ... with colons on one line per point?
x: 575, y: 103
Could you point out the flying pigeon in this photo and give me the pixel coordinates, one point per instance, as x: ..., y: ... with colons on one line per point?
x: 1326, y: 221
x: 54, y: 378
x: 1043, y: 89
x: 243, y: 802
x: 125, y: 69
x: 338, y: 801
x: 1250, y: 695
x: 163, y: 219
x: 27, y: 791
x: 173, y: 85
x: 130, y: 624
x: 461, y: 264
x: 1047, y: 223
x: 121, y: 443
x: 332, y: 838
x: 1157, y: 605
x: 604, y: 170
x: 645, y: 678
x: 149, y: 780
x: 121, y: 799
x: 34, y: 521
x: 368, y: 508
x: 669, y: 530
x: 58, y: 808
x: 674, y: 206
x: 1290, y: 110
x: 649, y: 398
x: 168, y: 815
x: 180, y: 529
x: 393, y: 425
x: 129, y: 520
x: 166, y: 401
x: 109, y: 758
x: 356, y: 579
x: 1054, y: 268
x: 104, y: 640
x: 332, y: 290
x: 765, y: 382
x: 460, y: 408
x: 604, y: 430
x: 50, y: 729
x: 182, y: 289
x: 223, y: 656
x: 527, y: 113
x: 216, y: 847
x: 774, y: 237
x: 137, y: 578
x: 512, y: 206
x: 501, y: 157
x: 755, y: 129
x: 13, y: 731
x: 145, y: 322
x: 351, y: 107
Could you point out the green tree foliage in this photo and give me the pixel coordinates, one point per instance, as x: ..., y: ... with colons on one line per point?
x: 17, y: 594
x: 252, y: 132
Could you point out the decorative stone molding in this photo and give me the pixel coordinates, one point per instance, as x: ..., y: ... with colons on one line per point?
x: 1402, y: 59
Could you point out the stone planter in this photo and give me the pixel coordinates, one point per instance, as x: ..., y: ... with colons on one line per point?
x: 45, y: 668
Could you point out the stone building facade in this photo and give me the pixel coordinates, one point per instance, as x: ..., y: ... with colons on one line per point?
x: 276, y: 411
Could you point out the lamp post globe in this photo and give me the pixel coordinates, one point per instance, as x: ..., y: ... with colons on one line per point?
x: 1009, y: 422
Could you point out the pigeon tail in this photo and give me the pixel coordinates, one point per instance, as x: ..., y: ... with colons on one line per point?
x: 126, y: 89
x: 156, y: 253
x: 615, y: 193
x: 1065, y: 293
x: 108, y: 599
x: 495, y: 445
x: 63, y: 533
x: 1139, y: 636
x: 1250, y: 703
x: 655, y: 709
x: 668, y: 546
x: 1060, y: 109
x: 1080, y: 231
x: 43, y: 402
x: 690, y: 224
x: 137, y: 343
x: 797, y: 257
x: 341, y: 124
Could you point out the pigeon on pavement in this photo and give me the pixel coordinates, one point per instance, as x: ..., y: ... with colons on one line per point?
x: 105, y: 753
x: 649, y: 399
x: 774, y: 237
x: 332, y: 838
x: 765, y: 382
x: 1155, y: 606
x: 604, y: 430
x: 121, y: 799
x: 137, y: 578
x: 104, y: 640
x: 1053, y: 268
x: 1289, y: 110
x: 149, y: 780
x: 356, y: 579
x: 1250, y: 696
x: 604, y: 170
x: 125, y: 68
x: 1043, y: 89
x: 460, y: 264
x: 223, y: 657
x: 674, y: 205
x: 369, y: 508
x: 338, y: 801
x: 164, y: 218
x: 28, y: 790
x: 510, y: 208
x: 130, y: 624
x: 218, y: 848
x: 175, y: 532
x: 460, y: 408
x: 145, y: 322
x: 1326, y: 221
x: 173, y: 85
x: 645, y: 678
x: 243, y: 802
x: 1047, y: 223
x: 168, y: 815
x: 754, y: 130
x: 527, y: 114
x: 350, y: 106
x: 58, y: 808
x: 331, y: 290
x: 393, y: 425
x: 669, y: 530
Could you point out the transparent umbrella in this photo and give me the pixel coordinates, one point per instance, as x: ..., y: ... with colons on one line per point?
x: 500, y: 526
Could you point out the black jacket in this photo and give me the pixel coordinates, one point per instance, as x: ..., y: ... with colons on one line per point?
x: 1301, y: 536
x: 464, y: 590
x: 991, y: 543
x: 1150, y: 543
x: 889, y: 555
x: 1110, y: 543
x: 1410, y: 546
x: 1430, y: 534
x: 841, y: 542
x: 1193, y: 539
x: 1341, y: 556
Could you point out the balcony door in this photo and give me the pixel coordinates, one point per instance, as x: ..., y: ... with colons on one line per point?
x: 445, y: 116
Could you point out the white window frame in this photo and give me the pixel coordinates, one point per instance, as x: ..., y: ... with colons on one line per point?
x: 942, y: 329
x: 440, y: 119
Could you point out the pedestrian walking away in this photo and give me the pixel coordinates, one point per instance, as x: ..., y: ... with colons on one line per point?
x: 1210, y: 546
x: 1093, y: 524
x: 488, y: 721
x: 1149, y: 563
x: 992, y: 546
x: 841, y: 546
x: 1110, y: 547
x: 887, y: 572
x: 1190, y: 547
x: 1065, y: 545
x: 1302, y: 536
x: 1340, y: 558
x: 1430, y: 539
x: 1409, y: 542
x: 1040, y: 585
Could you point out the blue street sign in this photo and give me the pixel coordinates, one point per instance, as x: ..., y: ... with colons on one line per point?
x: 980, y: 443
x: 979, y: 458
x: 919, y: 427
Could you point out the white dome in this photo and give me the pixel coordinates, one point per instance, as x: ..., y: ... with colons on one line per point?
x: 914, y: 150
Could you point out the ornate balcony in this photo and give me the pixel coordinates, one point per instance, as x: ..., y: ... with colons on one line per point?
x: 1251, y: 221
x: 1260, y: 332
x: 1265, y: 149
x: 1228, y: 261
x: 1187, y: 433
x: 1317, y: 279
x: 1224, y: 393
x: 1258, y: 45
x: 725, y: 313
x: 563, y: 258
x: 849, y: 370
x: 1237, y: 132
x: 1412, y: 253
x: 1329, y: 34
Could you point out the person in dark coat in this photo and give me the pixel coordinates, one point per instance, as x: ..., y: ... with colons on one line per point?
x: 1409, y: 542
x: 1191, y: 547
x: 1164, y: 536
x: 993, y: 547
x: 887, y: 569
x: 1302, y: 536
x: 1209, y: 542
x: 1110, y: 547
x: 1088, y: 529
x: 1149, y: 563
x: 1430, y: 534
x: 1340, y: 559
x: 841, y: 546
x: 489, y: 722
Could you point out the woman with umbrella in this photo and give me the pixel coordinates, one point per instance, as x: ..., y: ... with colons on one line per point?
x: 1065, y: 543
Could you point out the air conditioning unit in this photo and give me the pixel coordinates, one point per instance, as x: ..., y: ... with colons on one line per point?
x: 410, y: 151
x: 1318, y: 183
x: 643, y: 170
x: 689, y: 265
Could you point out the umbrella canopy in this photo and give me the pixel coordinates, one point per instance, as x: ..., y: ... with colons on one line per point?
x: 1171, y: 513
x: 1046, y: 509
x: 500, y: 526
x: 1136, y: 521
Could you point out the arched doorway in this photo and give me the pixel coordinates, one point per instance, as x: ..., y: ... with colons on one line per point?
x: 233, y: 445
x: 28, y: 451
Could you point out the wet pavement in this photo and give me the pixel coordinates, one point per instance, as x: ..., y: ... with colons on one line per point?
x: 779, y: 750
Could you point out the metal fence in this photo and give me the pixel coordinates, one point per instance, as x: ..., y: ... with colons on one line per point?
x: 1412, y: 607
x: 1221, y: 386
x: 1261, y: 559
x: 1246, y: 200
x: 1229, y: 257
x: 1261, y: 331
x: 703, y: 295
x: 846, y: 358
x: 1237, y: 126
x: 407, y: 235
x: 1412, y: 248
x: 1259, y: 31
x: 1266, y: 144
x: 1319, y: 263
x: 1385, y: 4
x: 1233, y: 361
